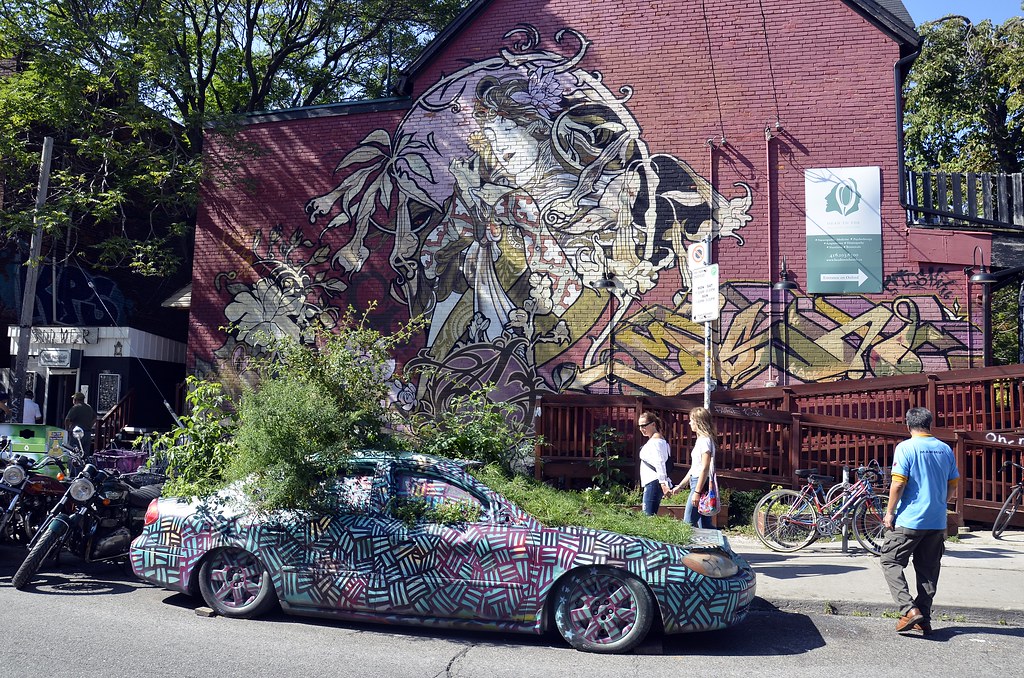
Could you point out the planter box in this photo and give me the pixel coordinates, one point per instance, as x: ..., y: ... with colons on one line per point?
x: 954, y: 521
x: 677, y: 511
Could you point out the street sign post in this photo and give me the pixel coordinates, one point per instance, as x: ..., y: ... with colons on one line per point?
x: 704, y: 301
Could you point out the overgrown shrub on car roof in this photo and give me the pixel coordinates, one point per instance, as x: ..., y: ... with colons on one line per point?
x: 310, y: 406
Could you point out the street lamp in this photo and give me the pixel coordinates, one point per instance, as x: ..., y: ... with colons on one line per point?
x: 982, y: 277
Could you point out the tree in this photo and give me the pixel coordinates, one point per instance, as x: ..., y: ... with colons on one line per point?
x: 128, y: 86
x: 965, y: 97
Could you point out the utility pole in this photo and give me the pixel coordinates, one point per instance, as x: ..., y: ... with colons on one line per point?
x: 28, y: 298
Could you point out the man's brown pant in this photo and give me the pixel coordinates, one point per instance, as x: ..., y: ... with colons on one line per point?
x: 927, y: 547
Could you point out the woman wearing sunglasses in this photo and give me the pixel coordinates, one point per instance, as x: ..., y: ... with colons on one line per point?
x: 653, y: 455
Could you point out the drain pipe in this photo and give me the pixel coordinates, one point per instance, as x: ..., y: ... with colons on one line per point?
x: 901, y: 164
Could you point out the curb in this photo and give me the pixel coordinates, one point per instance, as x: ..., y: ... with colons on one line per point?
x: 944, y: 614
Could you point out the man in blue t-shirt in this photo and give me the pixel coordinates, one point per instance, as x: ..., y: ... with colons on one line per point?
x: 924, y: 478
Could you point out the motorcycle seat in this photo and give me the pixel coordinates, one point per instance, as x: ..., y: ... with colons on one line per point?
x: 141, y: 497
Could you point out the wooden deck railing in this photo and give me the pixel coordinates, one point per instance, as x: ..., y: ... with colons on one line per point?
x: 970, y: 199
x: 111, y: 423
x: 765, y: 436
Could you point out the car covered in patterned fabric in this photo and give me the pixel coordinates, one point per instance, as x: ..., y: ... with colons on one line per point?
x: 415, y: 539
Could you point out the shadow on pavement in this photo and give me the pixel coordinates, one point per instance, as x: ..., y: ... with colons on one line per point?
x: 944, y: 634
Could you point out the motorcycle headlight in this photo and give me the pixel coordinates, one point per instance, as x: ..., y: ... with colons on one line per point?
x: 13, y: 475
x: 716, y: 565
x: 82, y: 489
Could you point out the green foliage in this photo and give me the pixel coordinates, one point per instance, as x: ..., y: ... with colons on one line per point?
x: 964, y: 107
x: 478, y: 428
x: 608, y: 446
x: 198, y: 451
x: 741, y: 505
x: 1005, y: 310
x: 415, y: 510
x: 557, y: 508
x: 126, y: 88
x: 314, y: 404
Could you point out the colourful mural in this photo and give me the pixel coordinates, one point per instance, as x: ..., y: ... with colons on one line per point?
x: 507, y: 192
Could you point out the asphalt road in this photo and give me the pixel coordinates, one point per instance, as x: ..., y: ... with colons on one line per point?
x: 96, y: 620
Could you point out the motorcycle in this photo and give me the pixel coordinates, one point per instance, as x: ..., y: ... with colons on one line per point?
x: 27, y: 493
x: 96, y: 519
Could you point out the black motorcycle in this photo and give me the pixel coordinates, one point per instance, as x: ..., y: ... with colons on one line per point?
x: 27, y: 494
x: 96, y: 519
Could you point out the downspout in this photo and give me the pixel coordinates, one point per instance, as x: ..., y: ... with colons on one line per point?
x: 772, y: 372
x: 901, y: 164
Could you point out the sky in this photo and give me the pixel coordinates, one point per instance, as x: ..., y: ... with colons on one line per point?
x: 975, y: 10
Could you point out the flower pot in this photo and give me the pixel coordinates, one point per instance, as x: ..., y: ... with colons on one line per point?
x: 721, y: 521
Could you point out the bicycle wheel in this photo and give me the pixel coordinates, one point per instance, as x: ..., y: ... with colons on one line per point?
x: 1006, y: 513
x: 835, y: 491
x: 868, y: 527
x: 785, y: 521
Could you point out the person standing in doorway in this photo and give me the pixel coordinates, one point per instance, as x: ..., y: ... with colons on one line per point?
x: 30, y: 412
x: 81, y: 415
x: 699, y: 474
x: 924, y: 479
x: 653, y: 456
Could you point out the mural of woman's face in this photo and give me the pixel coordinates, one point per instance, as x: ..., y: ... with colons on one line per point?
x: 515, y: 149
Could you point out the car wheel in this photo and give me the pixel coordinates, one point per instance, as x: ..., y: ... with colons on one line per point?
x: 600, y: 609
x: 236, y: 584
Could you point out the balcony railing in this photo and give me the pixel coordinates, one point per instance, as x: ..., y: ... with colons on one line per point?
x: 992, y: 201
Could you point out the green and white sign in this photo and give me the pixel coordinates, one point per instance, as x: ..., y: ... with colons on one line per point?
x: 844, y: 230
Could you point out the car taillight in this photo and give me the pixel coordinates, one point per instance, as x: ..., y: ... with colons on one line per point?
x: 152, y: 513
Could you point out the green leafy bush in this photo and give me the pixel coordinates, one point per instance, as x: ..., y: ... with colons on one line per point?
x: 609, y: 444
x: 198, y: 451
x: 477, y: 428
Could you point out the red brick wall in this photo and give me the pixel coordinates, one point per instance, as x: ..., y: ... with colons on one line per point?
x: 830, y: 78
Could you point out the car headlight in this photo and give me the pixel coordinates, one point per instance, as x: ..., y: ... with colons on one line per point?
x: 82, y: 489
x: 714, y: 564
x: 13, y: 475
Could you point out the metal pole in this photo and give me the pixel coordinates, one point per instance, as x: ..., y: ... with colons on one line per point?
x: 707, y: 343
x: 28, y: 298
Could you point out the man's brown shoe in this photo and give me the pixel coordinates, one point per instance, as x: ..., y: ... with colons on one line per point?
x: 909, y: 620
x: 924, y: 627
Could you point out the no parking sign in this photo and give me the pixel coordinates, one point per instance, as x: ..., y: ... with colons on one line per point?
x: 697, y: 255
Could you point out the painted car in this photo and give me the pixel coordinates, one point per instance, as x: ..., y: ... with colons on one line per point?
x: 416, y: 539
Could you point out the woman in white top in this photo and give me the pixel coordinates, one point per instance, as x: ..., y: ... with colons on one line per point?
x: 653, y: 455
x: 700, y: 465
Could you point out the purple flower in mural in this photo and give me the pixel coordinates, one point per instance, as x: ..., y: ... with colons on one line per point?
x: 544, y: 93
x: 402, y: 394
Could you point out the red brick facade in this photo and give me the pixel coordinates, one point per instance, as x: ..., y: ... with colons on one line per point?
x: 666, y: 117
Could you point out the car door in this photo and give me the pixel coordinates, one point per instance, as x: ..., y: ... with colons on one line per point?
x: 329, y: 558
x: 476, y: 568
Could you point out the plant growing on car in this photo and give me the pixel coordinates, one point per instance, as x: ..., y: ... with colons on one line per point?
x: 313, y: 404
x: 198, y: 450
x: 413, y: 510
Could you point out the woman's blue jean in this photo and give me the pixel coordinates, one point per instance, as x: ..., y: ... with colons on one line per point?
x: 652, y: 497
x: 692, y: 515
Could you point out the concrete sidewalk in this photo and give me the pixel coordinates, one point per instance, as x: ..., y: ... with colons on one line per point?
x: 982, y: 579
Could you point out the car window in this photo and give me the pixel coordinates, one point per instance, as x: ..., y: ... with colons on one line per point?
x: 435, y: 495
x: 354, y: 490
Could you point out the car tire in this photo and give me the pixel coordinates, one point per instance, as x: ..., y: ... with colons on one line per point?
x: 236, y: 584
x: 601, y: 609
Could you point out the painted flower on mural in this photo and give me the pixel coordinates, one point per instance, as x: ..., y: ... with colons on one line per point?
x: 402, y: 395
x: 543, y: 93
x: 264, y: 310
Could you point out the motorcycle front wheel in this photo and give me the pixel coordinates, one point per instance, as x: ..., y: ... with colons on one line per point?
x: 51, y: 537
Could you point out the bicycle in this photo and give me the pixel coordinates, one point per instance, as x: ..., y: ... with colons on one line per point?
x: 1012, y: 503
x: 789, y: 520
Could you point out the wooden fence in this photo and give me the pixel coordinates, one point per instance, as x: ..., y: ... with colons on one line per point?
x: 767, y: 434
